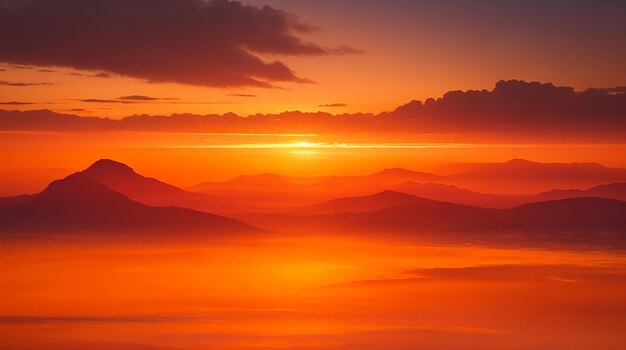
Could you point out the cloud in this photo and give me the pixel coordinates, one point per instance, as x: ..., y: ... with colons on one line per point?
x: 333, y: 105
x: 145, y: 98
x: 216, y: 43
x: 99, y: 100
x: 15, y: 103
x: 516, y: 105
x: 241, y: 95
x: 142, y: 99
x: 512, y: 108
x: 19, y: 83
x: 95, y: 75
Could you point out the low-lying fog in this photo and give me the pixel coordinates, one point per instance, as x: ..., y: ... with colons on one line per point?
x: 308, y: 292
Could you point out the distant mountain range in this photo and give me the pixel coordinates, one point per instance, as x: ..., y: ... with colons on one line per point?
x: 589, y: 219
x: 453, y: 194
x: 111, y: 196
x: 521, y: 176
x: 514, y: 182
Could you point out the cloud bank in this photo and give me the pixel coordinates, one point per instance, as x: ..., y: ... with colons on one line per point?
x: 512, y: 107
x: 214, y: 43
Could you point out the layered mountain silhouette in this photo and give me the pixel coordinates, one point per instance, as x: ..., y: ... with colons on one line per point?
x: 385, y: 177
x: 613, y: 191
x: 522, y: 176
x: 123, y: 179
x: 394, y: 213
x: 454, y: 194
x: 111, y: 196
x: 516, y: 177
x: 361, y: 204
x: 78, y: 202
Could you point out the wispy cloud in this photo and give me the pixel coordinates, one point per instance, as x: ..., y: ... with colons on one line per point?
x: 15, y: 103
x: 331, y: 105
x: 20, y: 83
x: 241, y: 95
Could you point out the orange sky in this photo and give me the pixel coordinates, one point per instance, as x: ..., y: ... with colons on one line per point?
x: 361, y: 56
x: 409, y: 50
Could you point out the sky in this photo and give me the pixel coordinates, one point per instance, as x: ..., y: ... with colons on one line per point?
x: 337, y: 56
x: 511, y: 79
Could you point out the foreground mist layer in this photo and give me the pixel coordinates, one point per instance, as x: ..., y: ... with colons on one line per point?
x: 307, y: 293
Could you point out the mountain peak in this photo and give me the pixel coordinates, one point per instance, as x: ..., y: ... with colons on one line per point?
x: 395, y: 171
x: 109, y: 167
x: 520, y: 161
x: 79, y: 188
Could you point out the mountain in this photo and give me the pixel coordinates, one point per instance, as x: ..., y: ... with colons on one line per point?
x: 245, y: 182
x: 123, y: 179
x: 523, y: 177
x: 589, y: 212
x: 614, y: 191
x: 6, y: 202
x: 454, y: 194
x: 588, y: 220
x: 298, y: 190
x: 78, y: 202
x: 382, y: 180
x: 360, y: 204
x: 386, y: 211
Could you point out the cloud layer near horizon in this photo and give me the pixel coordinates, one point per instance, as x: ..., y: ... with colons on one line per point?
x: 511, y: 107
x: 208, y: 43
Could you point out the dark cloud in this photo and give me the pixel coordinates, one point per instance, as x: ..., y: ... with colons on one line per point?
x: 145, y: 98
x: 511, y: 108
x: 95, y: 75
x: 15, y: 103
x: 99, y: 100
x: 613, y: 90
x: 46, y: 70
x: 327, y: 105
x: 17, y: 66
x: 207, y: 43
x: 138, y: 99
x: 20, y: 83
x: 516, y: 105
x: 241, y: 95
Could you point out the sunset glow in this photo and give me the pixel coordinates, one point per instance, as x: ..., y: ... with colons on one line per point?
x: 312, y: 175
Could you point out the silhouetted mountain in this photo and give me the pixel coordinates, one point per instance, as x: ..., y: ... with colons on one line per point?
x: 12, y: 201
x: 576, y: 220
x: 78, y: 202
x: 360, y: 204
x: 122, y: 178
x: 245, y: 182
x: 614, y: 191
x: 382, y: 179
x: 587, y: 212
x: 323, y: 186
x: 454, y: 194
x: 387, y: 211
x: 522, y: 176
